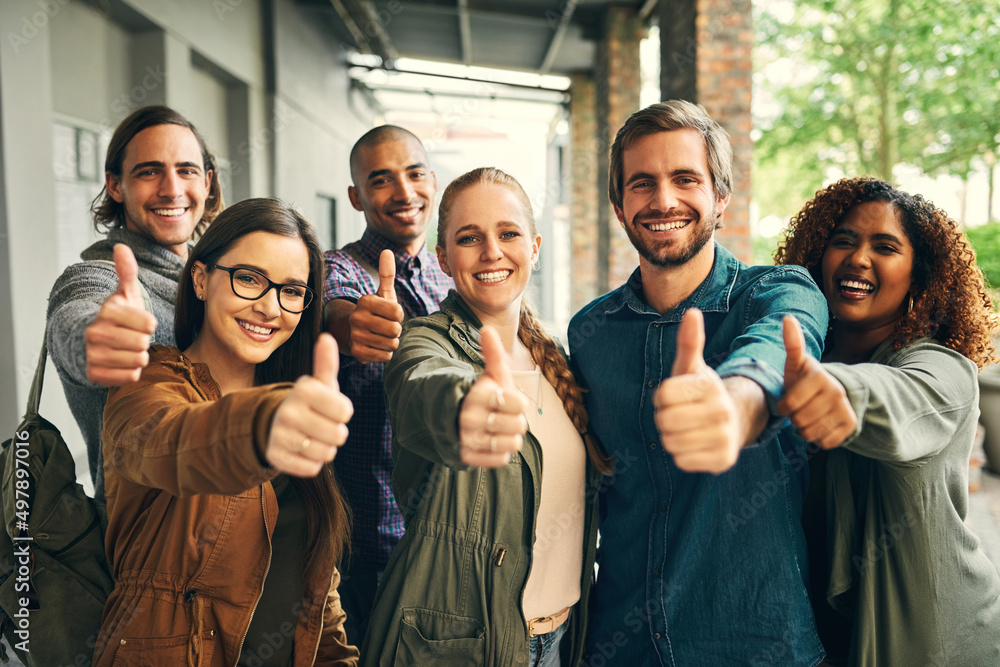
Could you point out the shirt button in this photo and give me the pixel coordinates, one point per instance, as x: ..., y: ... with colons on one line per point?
x: 656, y: 573
x: 651, y: 383
x: 652, y: 445
x: 662, y: 508
x: 656, y: 635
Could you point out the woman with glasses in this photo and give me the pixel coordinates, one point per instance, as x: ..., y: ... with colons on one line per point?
x: 225, y: 522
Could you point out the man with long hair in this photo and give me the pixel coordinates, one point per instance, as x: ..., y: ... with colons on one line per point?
x: 161, y: 189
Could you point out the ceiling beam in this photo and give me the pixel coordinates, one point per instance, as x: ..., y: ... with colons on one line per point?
x: 557, y: 37
x: 373, y: 38
x: 465, y: 30
x: 647, y: 9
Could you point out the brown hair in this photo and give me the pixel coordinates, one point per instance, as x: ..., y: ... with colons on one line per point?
x: 544, y: 350
x: 950, y: 302
x: 666, y: 117
x: 327, y: 512
x: 109, y: 214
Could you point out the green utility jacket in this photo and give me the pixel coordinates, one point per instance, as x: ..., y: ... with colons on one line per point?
x: 451, y: 592
x: 901, y: 562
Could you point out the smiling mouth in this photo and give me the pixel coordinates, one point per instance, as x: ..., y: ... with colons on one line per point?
x: 169, y: 212
x: 253, y: 328
x: 408, y: 214
x: 855, y: 288
x: 666, y: 226
x: 493, y: 276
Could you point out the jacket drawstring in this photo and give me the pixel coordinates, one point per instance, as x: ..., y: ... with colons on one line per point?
x: 195, y: 646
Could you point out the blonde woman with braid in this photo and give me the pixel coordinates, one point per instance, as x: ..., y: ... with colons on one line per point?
x: 494, y: 472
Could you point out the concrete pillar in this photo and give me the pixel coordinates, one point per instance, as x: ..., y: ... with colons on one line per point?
x: 28, y: 255
x: 617, y: 88
x: 585, y: 151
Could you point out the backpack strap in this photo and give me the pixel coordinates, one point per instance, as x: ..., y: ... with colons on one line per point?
x: 35, y: 394
x: 364, y: 263
x: 147, y: 303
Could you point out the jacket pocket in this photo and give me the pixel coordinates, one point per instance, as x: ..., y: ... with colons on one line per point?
x: 434, y: 638
x: 162, y: 651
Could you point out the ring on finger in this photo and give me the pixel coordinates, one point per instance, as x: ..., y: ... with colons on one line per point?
x: 496, y: 400
x: 306, y: 442
x: 491, y: 422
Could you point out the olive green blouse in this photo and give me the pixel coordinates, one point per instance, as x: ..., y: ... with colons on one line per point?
x: 902, y: 564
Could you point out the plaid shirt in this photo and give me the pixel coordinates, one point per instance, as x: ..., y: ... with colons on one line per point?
x: 364, y: 465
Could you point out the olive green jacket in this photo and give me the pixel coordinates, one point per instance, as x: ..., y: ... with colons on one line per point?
x: 451, y: 592
x: 902, y: 563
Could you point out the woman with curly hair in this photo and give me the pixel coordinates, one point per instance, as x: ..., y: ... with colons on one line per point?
x: 895, y: 402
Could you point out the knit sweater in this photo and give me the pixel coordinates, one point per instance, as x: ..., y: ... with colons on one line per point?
x: 73, y: 304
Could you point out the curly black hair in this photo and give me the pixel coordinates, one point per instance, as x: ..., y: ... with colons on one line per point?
x: 950, y: 301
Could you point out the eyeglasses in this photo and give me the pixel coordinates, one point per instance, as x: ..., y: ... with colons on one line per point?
x: 251, y: 285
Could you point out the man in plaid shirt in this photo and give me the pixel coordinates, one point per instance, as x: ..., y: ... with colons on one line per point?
x: 372, y: 285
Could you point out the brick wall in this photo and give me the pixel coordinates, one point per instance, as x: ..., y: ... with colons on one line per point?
x: 585, y: 199
x: 724, y: 70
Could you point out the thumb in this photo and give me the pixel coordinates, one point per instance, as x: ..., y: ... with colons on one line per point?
x: 795, y: 349
x: 128, y: 275
x: 387, y: 276
x: 326, y: 360
x: 495, y: 357
x: 690, y: 344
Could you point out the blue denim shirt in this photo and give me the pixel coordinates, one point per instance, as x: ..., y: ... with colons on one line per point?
x: 698, y: 569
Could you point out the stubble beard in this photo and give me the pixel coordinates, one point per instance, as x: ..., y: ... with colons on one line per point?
x: 704, y: 229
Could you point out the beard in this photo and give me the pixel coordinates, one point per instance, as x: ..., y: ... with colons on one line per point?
x: 674, y: 253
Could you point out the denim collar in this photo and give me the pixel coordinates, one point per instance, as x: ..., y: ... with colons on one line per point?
x: 712, y: 295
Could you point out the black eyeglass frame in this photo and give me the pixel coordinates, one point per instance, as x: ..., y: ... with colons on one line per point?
x: 310, y: 294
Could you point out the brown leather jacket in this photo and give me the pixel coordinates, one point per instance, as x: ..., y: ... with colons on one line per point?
x: 191, y: 512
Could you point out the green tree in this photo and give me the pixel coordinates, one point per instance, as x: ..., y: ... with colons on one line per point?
x: 857, y: 86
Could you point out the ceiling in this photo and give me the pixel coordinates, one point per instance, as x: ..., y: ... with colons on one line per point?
x: 541, y: 36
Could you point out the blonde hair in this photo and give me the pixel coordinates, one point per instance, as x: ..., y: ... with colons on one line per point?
x: 543, y: 349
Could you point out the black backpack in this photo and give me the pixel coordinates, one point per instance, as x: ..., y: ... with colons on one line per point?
x: 54, y: 574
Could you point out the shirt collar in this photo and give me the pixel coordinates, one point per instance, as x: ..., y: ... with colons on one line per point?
x: 372, y: 244
x: 712, y: 295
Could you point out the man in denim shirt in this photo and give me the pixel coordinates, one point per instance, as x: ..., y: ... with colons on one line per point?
x: 702, y: 556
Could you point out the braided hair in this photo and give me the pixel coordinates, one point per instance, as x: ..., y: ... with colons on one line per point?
x: 544, y: 350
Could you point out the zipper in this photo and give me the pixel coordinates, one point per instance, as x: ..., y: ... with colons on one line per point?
x: 263, y: 511
x: 322, y: 614
x: 498, y: 560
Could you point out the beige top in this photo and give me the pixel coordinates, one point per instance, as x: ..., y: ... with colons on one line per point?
x: 557, y: 556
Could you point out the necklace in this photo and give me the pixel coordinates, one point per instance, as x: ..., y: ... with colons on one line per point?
x: 538, y: 391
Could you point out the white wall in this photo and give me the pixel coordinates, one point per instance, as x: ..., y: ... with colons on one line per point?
x: 66, y: 66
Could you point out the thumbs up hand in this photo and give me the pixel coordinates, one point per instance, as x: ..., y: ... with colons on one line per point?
x: 119, y: 337
x: 698, y: 421
x: 311, y: 423
x: 814, y: 400
x: 377, y: 320
x: 491, y: 424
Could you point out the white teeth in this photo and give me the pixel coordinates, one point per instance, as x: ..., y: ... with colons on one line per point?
x: 492, y: 276
x: 255, y: 329
x: 406, y: 214
x: 666, y: 226
x: 168, y: 212
x: 854, y: 284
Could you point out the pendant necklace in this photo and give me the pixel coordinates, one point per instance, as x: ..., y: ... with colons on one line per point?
x: 538, y: 392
